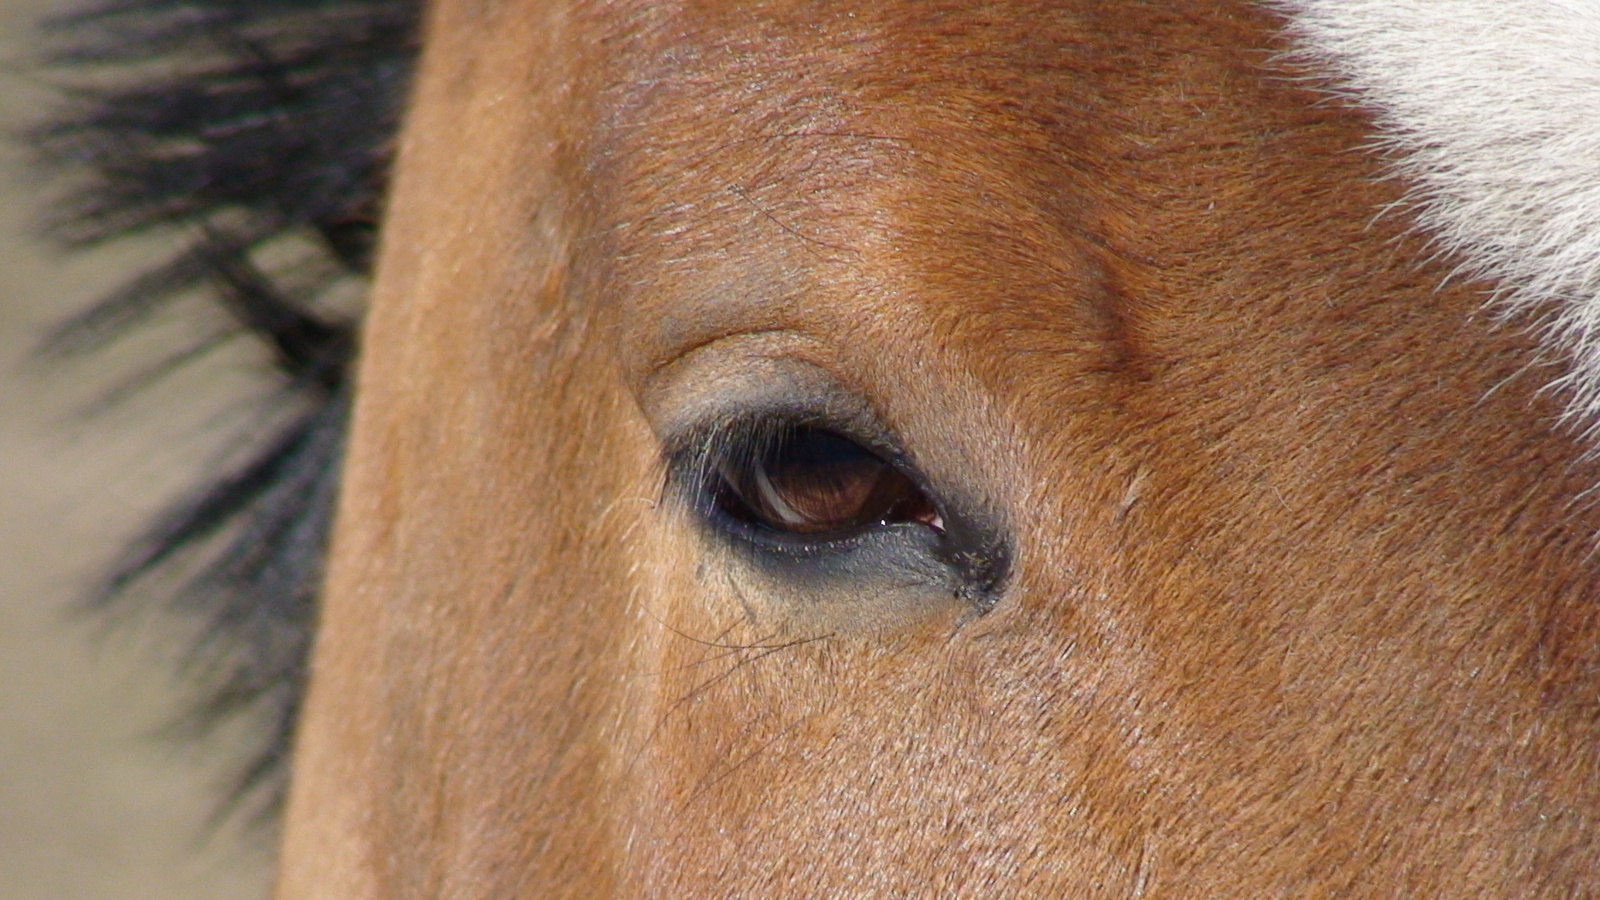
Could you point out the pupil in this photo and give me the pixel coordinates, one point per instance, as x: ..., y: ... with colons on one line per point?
x: 812, y: 481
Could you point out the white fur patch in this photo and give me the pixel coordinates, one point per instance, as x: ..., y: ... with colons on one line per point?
x: 1493, y: 107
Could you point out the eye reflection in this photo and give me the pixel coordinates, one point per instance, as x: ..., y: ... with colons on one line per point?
x: 806, y: 480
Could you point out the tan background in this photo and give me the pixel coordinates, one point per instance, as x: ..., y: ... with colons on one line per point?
x: 92, y: 805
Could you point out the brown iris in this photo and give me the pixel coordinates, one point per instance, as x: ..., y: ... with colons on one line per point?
x: 811, y: 481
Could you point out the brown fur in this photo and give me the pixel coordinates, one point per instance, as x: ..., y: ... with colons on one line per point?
x: 1301, y: 596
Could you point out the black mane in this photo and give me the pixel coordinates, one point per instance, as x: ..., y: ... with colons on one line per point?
x: 247, y: 124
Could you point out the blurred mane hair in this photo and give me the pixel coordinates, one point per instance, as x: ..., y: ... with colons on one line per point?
x: 262, y: 130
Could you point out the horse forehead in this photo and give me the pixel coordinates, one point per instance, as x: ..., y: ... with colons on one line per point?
x: 759, y: 160
x: 785, y: 102
x: 746, y: 87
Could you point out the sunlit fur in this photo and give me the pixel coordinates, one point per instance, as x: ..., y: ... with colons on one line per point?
x: 1301, y: 596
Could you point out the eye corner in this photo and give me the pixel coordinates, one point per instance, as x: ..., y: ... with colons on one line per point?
x: 985, y: 563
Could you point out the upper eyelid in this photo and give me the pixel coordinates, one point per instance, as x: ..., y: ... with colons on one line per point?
x: 752, y: 374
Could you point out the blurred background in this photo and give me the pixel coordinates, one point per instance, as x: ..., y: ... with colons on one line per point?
x: 95, y: 801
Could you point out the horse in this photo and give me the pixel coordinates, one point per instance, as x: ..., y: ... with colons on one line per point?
x: 969, y: 448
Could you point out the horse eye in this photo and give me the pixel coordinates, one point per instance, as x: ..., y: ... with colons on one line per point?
x: 812, y: 482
